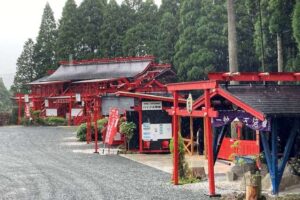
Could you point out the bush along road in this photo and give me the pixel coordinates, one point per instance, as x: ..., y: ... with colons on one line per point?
x: 35, y: 164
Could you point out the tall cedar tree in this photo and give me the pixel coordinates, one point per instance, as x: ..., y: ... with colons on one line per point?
x: 112, y: 29
x: 68, y: 32
x: 269, y: 39
x: 202, y: 44
x: 5, y: 102
x: 90, y: 18
x: 280, y: 25
x: 296, y: 23
x: 141, y: 39
x: 25, y: 68
x: 168, y: 30
x: 44, y: 50
x: 245, y: 25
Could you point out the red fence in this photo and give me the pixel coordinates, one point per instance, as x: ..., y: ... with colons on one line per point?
x: 245, y: 147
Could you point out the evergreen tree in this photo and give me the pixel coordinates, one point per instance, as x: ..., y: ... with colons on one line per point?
x: 280, y: 25
x: 296, y: 33
x: 44, y: 50
x: 67, y: 32
x: 112, y: 31
x: 264, y: 40
x: 202, y: 44
x: 171, y: 6
x: 296, y: 23
x: 25, y: 68
x: 5, y: 102
x: 168, y: 35
x: 90, y: 18
x: 168, y: 30
x: 246, y: 13
x: 141, y: 39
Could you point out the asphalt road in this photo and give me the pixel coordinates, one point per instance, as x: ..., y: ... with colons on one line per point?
x: 35, y: 164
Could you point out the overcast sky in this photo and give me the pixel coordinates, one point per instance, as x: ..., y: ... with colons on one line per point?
x: 20, y: 20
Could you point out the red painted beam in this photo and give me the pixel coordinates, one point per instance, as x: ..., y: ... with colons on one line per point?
x: 194, y: 113
x: 196, y: 85
x: 255, y: 76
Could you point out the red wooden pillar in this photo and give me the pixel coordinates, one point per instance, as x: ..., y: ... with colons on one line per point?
x: 95, y: 124
x: 140, y: 126
x: 70, y: 111
x: 88, y: 123
x: 175, y: 139
x: 208, y: 134
x: 19, y: 110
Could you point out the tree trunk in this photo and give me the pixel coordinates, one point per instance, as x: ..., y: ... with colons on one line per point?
x: 279, y: 54
x: 232, y: 41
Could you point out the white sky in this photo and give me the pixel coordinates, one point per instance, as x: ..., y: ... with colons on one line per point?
x: 20, y: 20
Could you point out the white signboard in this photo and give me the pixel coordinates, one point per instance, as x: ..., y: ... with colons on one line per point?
x: 77, y: 97
x: 76, y: 112
x: 151, y: 105
x: 46, y: 103
x: 154, y: 132
x: 51, y: 112
x: 26, y: 98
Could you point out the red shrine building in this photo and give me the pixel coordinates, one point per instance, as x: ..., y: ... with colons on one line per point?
x: 80, y: 86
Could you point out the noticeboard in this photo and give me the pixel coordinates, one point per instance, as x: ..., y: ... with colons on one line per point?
x: 154, y: 132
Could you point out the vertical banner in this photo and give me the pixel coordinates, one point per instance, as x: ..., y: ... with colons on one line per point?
x: 27, y: 110
x: 112, y: 126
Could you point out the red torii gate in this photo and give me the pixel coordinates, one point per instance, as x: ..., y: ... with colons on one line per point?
x: 208, y: 112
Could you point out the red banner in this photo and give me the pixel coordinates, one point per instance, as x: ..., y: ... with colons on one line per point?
x: 27, y: 110
x: 112, y: 126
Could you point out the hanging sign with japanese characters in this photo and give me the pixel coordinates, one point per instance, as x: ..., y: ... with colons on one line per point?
x: 226, y: 117
x: 151, y: 105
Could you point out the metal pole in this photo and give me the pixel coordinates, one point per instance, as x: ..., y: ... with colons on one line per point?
x: 175, y: 139
x: 208, y: 132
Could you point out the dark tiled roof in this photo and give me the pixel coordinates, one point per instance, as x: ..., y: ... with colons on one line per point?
x: 270, y: 99
x: 99, y: 71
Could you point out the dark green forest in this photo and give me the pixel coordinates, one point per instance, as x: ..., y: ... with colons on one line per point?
x: 5, y: 102
x: 192, y: 35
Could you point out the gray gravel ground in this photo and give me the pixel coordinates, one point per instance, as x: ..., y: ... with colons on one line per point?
x: 35, y: 165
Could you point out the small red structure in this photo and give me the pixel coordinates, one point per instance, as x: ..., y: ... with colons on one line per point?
x: 261, y: 106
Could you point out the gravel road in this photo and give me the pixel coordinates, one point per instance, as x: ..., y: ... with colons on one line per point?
x: 35, y: 164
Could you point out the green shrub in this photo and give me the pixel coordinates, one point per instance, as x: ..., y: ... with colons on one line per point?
x: 55, y: 121
x: 82, y: 129
x: 102, y: 122
x: 184, y: 172
x: 26, y: 122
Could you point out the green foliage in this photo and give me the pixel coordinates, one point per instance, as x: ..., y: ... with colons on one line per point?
x: 26, y: 121
x: 44, y: 49
x: 296, y: 23
x: 55, y: 121
x: 112, y: 32
x: 82, y: 129
x: 68, y: 31
x: 102, y: 122
x: 25, y: 68
x: 127, y: 128
x: 182, y: 165
x: 5, y: 102
x: 90, y: 18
